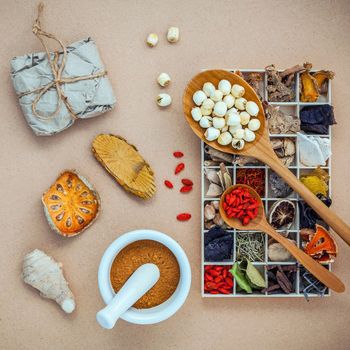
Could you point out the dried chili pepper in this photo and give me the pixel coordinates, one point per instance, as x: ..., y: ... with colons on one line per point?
x: 179, y: 168
x: 168, y: 184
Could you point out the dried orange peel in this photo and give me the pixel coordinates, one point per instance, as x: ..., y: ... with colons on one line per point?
x: 125, y: 164
x: 71, y: 204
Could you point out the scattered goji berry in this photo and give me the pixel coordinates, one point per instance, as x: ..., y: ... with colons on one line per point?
x: 179, y: 168
x: 185, y: 189
x: 178, y: 154
x: 184, y: 216
x: 168, y: 184
x: 187, y: 182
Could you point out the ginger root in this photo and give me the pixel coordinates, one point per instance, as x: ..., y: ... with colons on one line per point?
x: 45, y: 274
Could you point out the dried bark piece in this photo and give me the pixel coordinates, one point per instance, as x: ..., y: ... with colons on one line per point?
x: 71, y: 204
x: 284, y: 282
x: 125, y: 164
x: 281, y: 123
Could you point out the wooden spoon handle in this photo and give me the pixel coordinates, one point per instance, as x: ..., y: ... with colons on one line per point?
x: 332, y: 219
x: 325, y: 276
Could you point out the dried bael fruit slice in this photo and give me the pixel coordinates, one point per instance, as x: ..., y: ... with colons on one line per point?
x: 125, y: 164
x: 281, y: 214
x: 71, y: 204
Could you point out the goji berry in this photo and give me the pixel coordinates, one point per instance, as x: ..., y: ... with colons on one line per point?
x: 168, y: 184
x: 184, y: 216
x: 185, y: 189
x: 187, y: 182
x: 178, y: 154
x: 223, y: 291
x: 179, y: 168
x: 214, y: 292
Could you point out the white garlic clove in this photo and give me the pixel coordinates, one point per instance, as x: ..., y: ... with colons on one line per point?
x: 220, y: 109
x: 208, y: 88
x: 198, y: 97
x: 173, y: 34
x: 196, y: 114
x: 218, y: 122
x: 225, y: 138
x: 249, y: 135
x: 233, y: 119
x: 163, y: 100
x: 239, y: 134
x: 237, y: 90
x: 232, y: 129
x: 152, y: 39
x: 216, y: 96
x: 224, y: 86
x: 205, y: 111
x: 212, y: 134
x: 252, y: 108
x: 208, y: 103
x: 163, y: 79
x: 245, y: 117
x: 206, y: 122
x: 240, y: 103
x: 254, y: 124
x: 229, y: 100
x: 237, y: 143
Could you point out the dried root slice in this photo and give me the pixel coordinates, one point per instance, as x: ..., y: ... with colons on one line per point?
x: 125, y: 164
x: 71, y: 204
x: 45, y: 274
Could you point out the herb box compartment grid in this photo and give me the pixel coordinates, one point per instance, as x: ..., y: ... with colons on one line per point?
x: 297, y: 168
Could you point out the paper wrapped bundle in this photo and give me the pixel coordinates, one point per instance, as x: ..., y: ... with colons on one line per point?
x: 56, y: 88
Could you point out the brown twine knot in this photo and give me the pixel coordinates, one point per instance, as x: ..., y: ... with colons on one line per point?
x: 56, y: 72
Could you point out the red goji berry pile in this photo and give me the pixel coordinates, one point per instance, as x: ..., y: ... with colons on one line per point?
x: 240, y: 204
x: 218, y: 279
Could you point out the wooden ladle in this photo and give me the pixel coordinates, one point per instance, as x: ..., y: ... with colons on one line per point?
x: 261, y: 148
x: 260, y: 223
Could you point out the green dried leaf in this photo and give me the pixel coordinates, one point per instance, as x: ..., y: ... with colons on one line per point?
x: 253, y: 276
x: 240, y: 278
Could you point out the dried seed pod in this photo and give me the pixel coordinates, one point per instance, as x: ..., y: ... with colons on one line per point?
x: 71, y: 204
x: 125, y: 164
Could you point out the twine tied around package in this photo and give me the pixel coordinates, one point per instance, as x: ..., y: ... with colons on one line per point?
x: 57, y: 70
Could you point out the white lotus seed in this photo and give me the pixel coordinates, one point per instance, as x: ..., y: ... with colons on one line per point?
x: 240, y: 103
x: 229, y: 100
x: 206, y: 122
x: 245, y: 117
x: 237, y: 91
x: 198, y: 97
x: 216, y: 96
x: 163, y: 79
x: 163, y: 100
x: 252, y: 108
x: 152, y: 39
x: 173, y: 34
x: 233, y: 119
x: 254, y: 124
x: 212, y: 134
x: 208, y: 103
x: 225, y: 128
x: 249, y: 135
x: 237, y: 143
x: 196, y: 114
x: 224, y: 86
x: 234, y: 128
x: 209, y: 88
x: 232, y: 110
x: 239, y: 134
x: 220, y: 109
x: 206, y: 111
x: 225, y: 138
x: 218, y: 123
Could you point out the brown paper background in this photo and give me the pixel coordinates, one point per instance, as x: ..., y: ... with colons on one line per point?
x: 223, y: 34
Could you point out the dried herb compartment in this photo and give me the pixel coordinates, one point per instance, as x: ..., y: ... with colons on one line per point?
x: 265, y: 266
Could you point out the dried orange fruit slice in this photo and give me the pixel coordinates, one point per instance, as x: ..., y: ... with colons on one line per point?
x: 71, y: 204
x: 125, y: 164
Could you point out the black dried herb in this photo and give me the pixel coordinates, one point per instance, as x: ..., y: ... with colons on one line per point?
x: 218, y: 245
x: 317, y: 119
x: 279, y: 188
x: 281, y: 279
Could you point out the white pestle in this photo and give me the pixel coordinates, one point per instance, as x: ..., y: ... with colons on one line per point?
x: 139, y: 283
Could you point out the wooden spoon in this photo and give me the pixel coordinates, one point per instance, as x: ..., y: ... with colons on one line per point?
x: 261, y: 148
x: 260, y: 224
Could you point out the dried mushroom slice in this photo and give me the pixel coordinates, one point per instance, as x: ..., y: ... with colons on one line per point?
x: 71, y: 204
x: 282, y: 214
x: 125, y: 164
